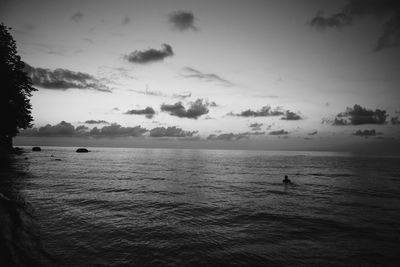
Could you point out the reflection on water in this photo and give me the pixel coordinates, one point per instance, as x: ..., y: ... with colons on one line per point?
x: 163, y: 207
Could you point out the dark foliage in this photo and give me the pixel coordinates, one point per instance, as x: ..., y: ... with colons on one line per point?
x: 16, y: 88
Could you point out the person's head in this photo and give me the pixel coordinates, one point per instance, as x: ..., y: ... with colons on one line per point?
x: 285, y: 176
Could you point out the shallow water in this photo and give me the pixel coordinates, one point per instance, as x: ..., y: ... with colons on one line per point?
x: 166, y: 207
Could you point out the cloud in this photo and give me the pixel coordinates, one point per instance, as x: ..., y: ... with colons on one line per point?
x: 313, y: 132
x: 96, y: 122
x: 150, y: 55
x: 196, y: 109
x: 291, y: 116
x: 81, y: 130
x: 183, y: 95
x: 61, y: 129
x: 125, y: 21
x: 256, y: 126
x: 395, y: 120
x: 263, y: 112
x: 170, y: 132
x: 77, y: 17
x: 387, y: 11
x: 207, y: 77
x: 232, y: 136
x: 278, y: 132
x: 213, y: 104
x: 366, y: 133
x: 182, y: 20
x: 148, y: 111
x: 63, y: 79
x: 335, y: 21
x: 66, y: 129
x: 116, y: 130
x: 229, y: 136
x: 359, y: 115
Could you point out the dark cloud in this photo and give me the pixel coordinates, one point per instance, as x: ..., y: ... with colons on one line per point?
x: 150, y: 55
x: 366, y: 133
x: 116, y: 130
x: 208, y: 77
x: 81, y: 130
x: 335, y: 21
x: 395, y: 120
x: 387, y: 11
x: 148, y: 111
x: 77, y: 17
x: 291, y: 116
x: 278, y: 132
x: 125, y: 21
x: 170, y: 132
x: 232, y: 136
x: 229, y: 136
x: 63, y: 79
x: 256, y: 126
x: 313, y: 132
x: 196, y: 109
x: 96, y: 122
x: 265, y: 111
x: 359, y: 115
x: 182, y: 20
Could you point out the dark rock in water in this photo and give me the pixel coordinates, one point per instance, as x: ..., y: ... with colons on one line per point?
x: 17, y: 150
x: 82, y: 150
x: 57, y: 159
x: 36, y: 148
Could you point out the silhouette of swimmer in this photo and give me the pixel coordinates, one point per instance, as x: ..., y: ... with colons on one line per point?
x: 286, y: 180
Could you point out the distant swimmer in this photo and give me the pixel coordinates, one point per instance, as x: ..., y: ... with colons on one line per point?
x: 286, y: 180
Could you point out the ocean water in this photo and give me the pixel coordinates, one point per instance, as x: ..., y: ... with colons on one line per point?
x: 166, y: 207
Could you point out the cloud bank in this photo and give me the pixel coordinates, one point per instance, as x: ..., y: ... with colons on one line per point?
x: 116, y: 130
x: 66, y: 129
x: 170, y: 132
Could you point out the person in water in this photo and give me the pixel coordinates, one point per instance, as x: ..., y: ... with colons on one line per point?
x: 286, y: 180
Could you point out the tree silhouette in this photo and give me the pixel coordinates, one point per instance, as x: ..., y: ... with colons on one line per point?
x: 15, y: 90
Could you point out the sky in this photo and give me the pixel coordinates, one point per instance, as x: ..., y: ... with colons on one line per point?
x: 308, y: 74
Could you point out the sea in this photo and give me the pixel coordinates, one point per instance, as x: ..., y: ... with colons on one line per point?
x: 185, y: 207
